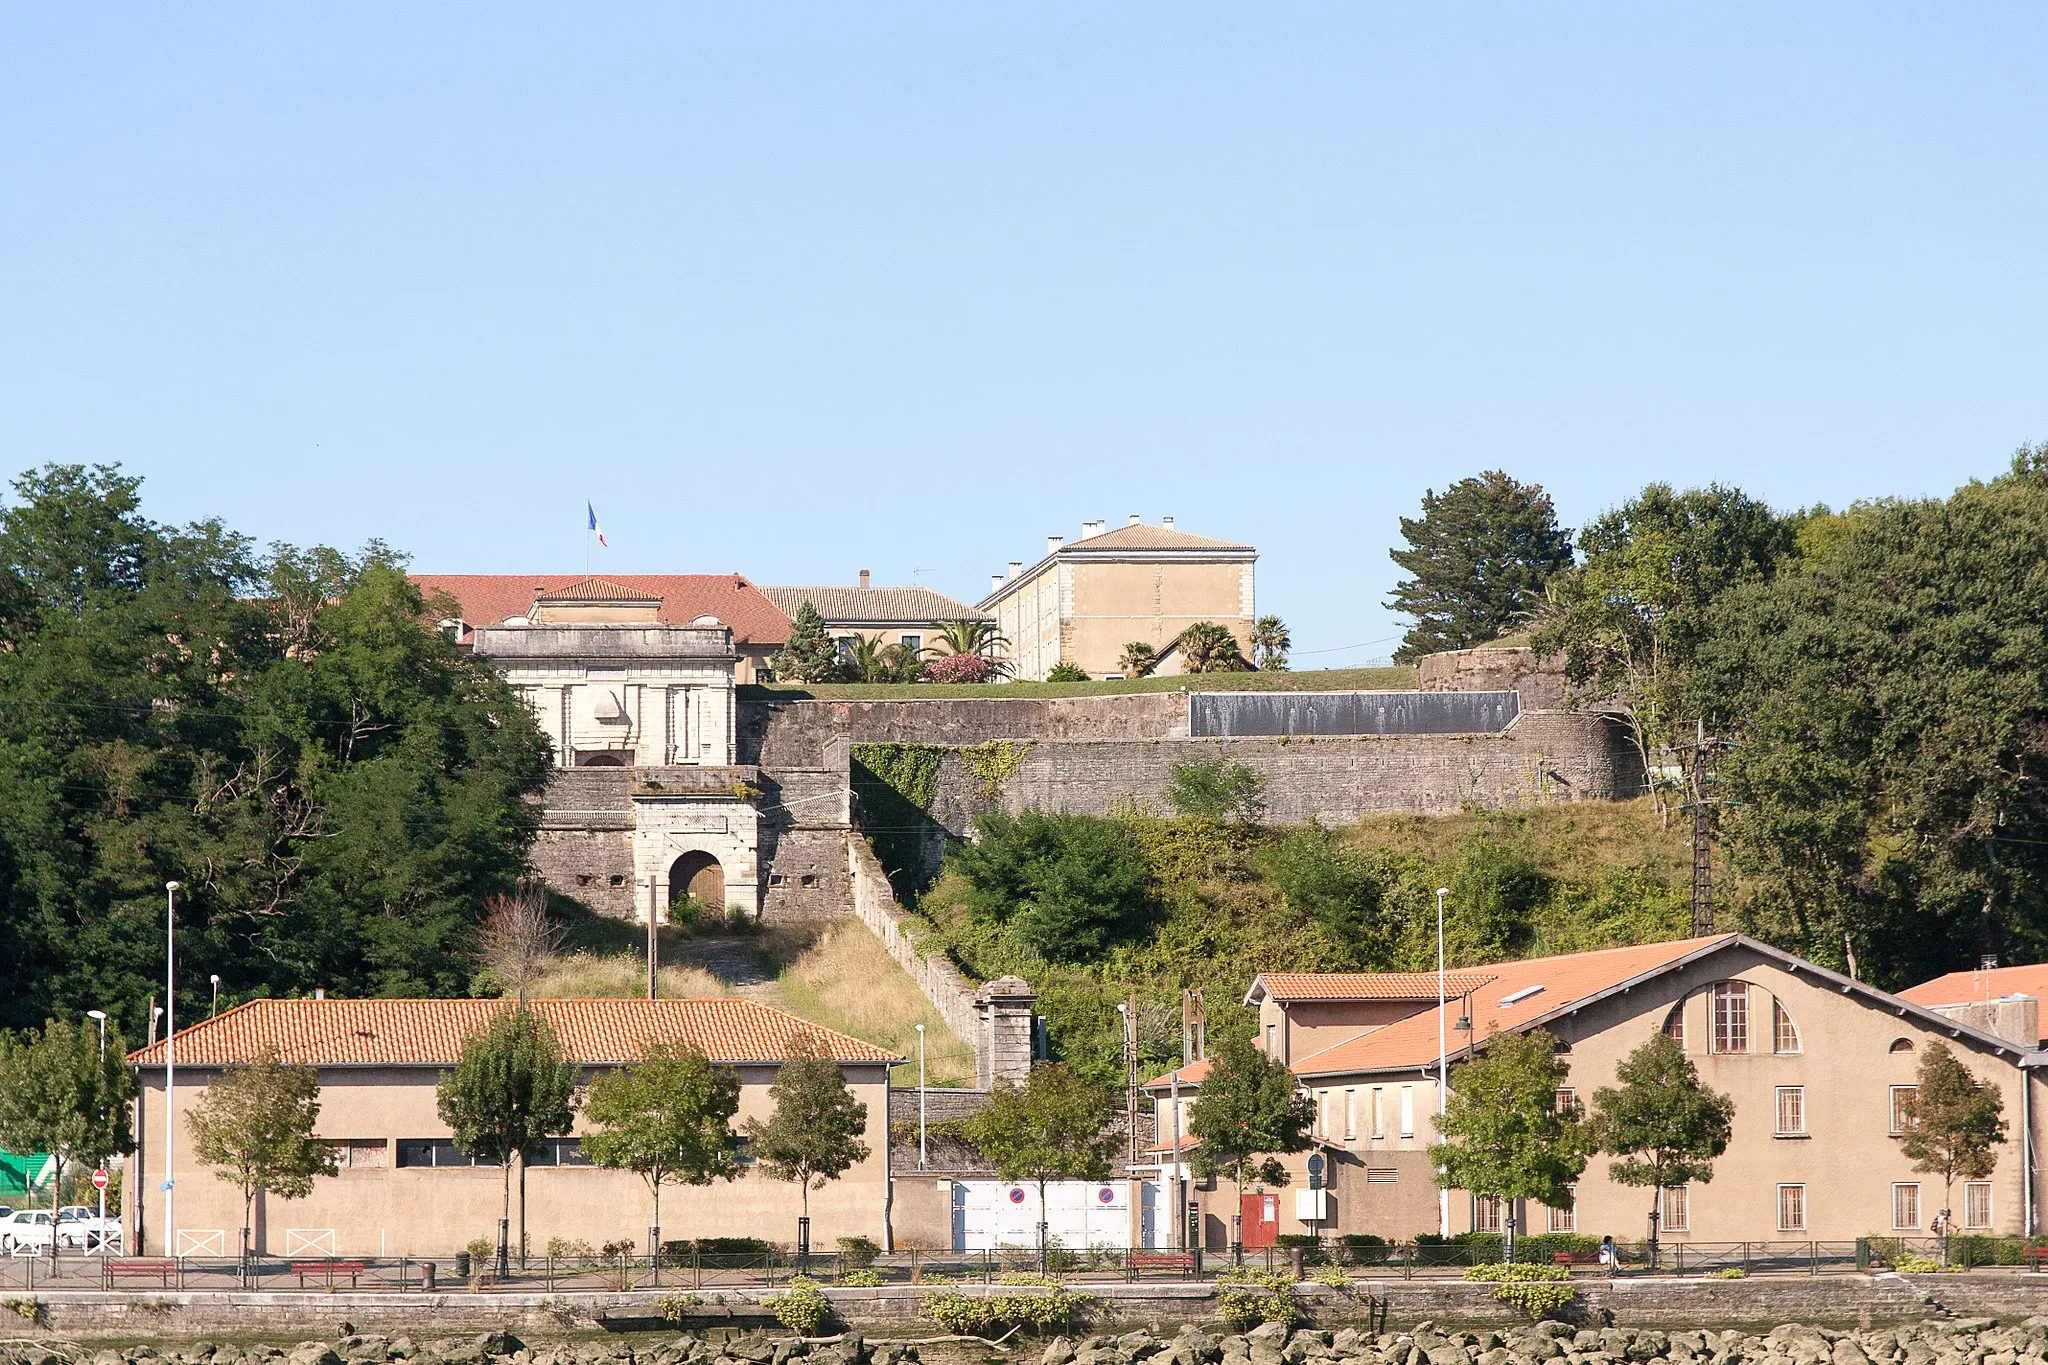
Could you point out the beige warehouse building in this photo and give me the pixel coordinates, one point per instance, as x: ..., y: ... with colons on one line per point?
x: 1816, y: 1064
x: 1088, y: 598
x: 404, y: 1189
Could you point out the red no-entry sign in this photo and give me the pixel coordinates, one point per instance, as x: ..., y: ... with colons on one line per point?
x: 99, y: 1179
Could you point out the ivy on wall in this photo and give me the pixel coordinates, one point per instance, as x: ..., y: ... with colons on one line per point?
x: 895, y: 785
x: 993, y: 764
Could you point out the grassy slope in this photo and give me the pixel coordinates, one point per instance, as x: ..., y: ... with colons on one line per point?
x: 1314, y: 680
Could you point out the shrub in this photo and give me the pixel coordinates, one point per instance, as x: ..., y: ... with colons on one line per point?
x: 1066, y: 672
x: 1919, y: 1265
x: 1067, y: 885
x: 1733, y: 1272
x: 1246, y: 1297
x: 859, y: 1252
x: 675, y: 1307
x: 860, y: 1279
x: 958, y: 668
x: 1362, y: 1248
x: 734, y: 1246
x: 1031, y: 1277
x: 565, y: 1248
x: 803, y: 1309
x: 1538, y: 1298
x: 1312, y: 1248
x: 1332, y: 1277
x: 969, y: 1315
x: 1217, y: 789
x: 482, y: 1250
x: 1520, y: 1272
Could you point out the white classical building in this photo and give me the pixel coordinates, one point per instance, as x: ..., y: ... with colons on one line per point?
x: 615, y: 687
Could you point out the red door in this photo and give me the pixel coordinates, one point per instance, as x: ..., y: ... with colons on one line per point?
x: 1261, y: 1219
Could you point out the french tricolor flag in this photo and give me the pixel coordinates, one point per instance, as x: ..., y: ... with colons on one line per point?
x: 599, y: 530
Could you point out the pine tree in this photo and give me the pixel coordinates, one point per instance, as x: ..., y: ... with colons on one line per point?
x: 808, y: 655
x: 1477, y: 560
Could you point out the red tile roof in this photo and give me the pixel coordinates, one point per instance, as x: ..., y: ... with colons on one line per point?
x: 431, y: 1032
x: 1412, y: 1042
x: 488, y: 599
x: 1365, y: 985
x: 1194, y: 1073
x: 1962, y: 988
x: 598, y: 590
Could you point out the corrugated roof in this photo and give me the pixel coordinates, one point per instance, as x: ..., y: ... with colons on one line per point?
x: 431, y: 1032
x: 1964, y: 988
x: 875, y: 606
x: 489, y: 599
x: 1412, y: 1041
x: 1365, y: 985
x: 1144, y: 537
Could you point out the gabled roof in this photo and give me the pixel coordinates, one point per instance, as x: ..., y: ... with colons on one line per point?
x: 597, y: 590
x: 1144, y: 537
x: 1967, y: 988
x: 1291, y: 986
x: 484, y: 599
x: 431, y: 1032
x: 1194, y: 1073
x: 875, y: 606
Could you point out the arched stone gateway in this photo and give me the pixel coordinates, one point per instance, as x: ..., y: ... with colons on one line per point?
x: 697, y: 874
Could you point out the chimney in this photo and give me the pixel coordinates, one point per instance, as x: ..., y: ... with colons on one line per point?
x: 863, y: 580
x: 1016, y: 567
x: 1092, y: 528
x: 319, y: 992
x: 1053, y: 543
x: 1166, y: 523
x: 995, y: 582
x: 1134, y: 519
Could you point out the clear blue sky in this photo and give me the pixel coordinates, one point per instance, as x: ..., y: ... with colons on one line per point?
x: 799, y: 289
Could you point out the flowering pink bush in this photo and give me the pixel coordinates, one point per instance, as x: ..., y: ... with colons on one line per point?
x: 958, y: 668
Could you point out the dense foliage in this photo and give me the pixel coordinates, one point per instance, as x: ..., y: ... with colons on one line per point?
x: 1065, y: 886
x: 1505, y: 1134
x: 1477, y: 559
x: 808, y: 655
x: 338, y: 787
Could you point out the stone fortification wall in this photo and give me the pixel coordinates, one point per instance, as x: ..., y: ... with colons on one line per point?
x: 1494, y: 670
x: 813, y: 734
x: 585, y: 847
x: 1543, y: 757
x: 875, y: 902
x: 804, y: 819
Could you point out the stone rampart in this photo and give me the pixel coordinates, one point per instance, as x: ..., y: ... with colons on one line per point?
x: 810, y: 734
x: 1493, y: 670
x: 875, y: 902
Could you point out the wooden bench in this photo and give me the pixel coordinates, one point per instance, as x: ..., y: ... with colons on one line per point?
x: 329, y: 1269
x: 1575, y: 1258
x: 159, y: 1268
x: 1179, y: 1262
x: 2034, y: 1256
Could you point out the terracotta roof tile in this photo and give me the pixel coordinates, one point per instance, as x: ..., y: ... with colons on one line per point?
x: 1505, y: 1002
x: 1144, y: 537
x: 598, y: 590
x: 489, y: 599
x: 431, y: 1032
x: 874, y: 606
x: 1962, y: 988
x: 1194, y: 1073
x: 1367, y: 985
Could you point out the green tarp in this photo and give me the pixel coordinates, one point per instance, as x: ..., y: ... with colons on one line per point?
x: 19, y: 1175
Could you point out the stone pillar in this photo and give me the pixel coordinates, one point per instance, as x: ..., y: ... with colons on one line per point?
x: 1004, y: 1010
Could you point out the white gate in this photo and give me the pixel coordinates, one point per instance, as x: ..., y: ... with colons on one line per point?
x: 202, y: 1242
x: 989, y: 1214
x: 309, y: 1242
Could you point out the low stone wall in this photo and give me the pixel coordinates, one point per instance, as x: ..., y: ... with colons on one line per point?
x: 875, y: 902
x: 1493, y: 670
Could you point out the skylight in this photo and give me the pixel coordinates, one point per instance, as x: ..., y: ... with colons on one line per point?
x: 1517, y: 997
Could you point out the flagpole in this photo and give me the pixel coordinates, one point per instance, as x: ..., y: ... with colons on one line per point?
x: 586, y: 544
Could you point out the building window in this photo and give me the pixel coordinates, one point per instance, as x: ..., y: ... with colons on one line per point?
x: 1273, y: 1040
x: 559, y: 1152
x: 1486, y: 1213
x: 1902, y: 1097
x: 1784, y: 1033
x: 1791, y: 1208
x: 1902, y: 1045
x: 1379, y: 1116
x: 1350, y: 1114
x: 775, y: 879
x: 1791, y: 1111
x: 914, y: 643
x: 439, y: 1153
x: 1977, y: 1205
x: 808, y: 879
x: 1731, y: 1016
x: 1677, y: 1209
x: 1407, y: 1111
x: 361, y: 1154
x: 845, y: 644
x: 1905, y: 1208
x: 1566, y: 1102
x: 1565, y: 1218
x: 1382, y: 1175
x: 1674, y: 1024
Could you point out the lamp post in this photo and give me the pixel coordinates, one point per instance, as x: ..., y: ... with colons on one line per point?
x: 101, y: 1016
x: 171, y: 890
x: 1443, y: 1197
x: 215, y: 979
x: 920, y: 1098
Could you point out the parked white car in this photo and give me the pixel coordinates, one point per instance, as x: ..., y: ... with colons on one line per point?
x: 79, y: 1226
x: 28, y: 1233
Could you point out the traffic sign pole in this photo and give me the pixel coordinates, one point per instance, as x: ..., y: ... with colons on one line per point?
x: 99, y: 1182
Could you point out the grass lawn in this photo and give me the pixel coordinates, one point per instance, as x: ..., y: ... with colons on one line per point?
x: 1310, y: 680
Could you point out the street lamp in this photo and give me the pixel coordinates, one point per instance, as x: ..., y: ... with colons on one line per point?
x: 101, y: 1016
x: 215, y: 979
x: 1443, y: 1197
x: 171, y: 890
x: 920, y: 1098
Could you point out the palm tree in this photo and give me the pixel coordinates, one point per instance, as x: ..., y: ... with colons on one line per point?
x: 1138, y: 659
x: 975, y: 637
x: 1270, y: 643
x: 864, y: 660
x: 901, y: 663
x: 1206, y: 647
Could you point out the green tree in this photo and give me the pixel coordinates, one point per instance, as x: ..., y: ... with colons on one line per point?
x: 979, y: 638
x: 1664, y: 1126
x: 1138, y: 659
x: 1333, y: 886
x: 1890, y: 698
x: 1477, y: 561
x: 1248, y: 1113
x: 668, y: 1118
x: 1270, y: 643
x: 1216, y: 789
x: 808, y: 655
x: 62, y: 1094
x: 1505, y: 1135
x: 255, y: 1127
x: 1067, y: 885
x: 1210, y: 647
x: 1953, y: 1125
x: 510, y: 1091
x: 901, y: 663
x: 1049, y: 1128
x: 814, y: 1135
x: 1629, y: 622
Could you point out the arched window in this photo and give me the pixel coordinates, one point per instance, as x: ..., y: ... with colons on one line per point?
x: 1902, y: 1045
x: 1730, y: 1017
x: 1674, y: 1024
x: 1784, y: 1033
